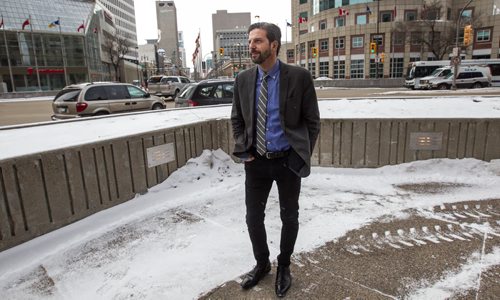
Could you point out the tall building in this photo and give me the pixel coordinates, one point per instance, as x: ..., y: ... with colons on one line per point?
x: 369, y: 39
x: 166, y: 18
x: 124, y: 18
x: 222, y: 20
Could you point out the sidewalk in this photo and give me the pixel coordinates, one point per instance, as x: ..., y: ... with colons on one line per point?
x: 380, y: 261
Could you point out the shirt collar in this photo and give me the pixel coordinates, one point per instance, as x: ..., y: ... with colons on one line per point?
x: 273, y: 72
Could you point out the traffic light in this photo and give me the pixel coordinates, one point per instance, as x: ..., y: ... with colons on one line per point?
x: 382, y: 57
x: 314, y: 52
x: 467, y: 35
x: 373, y: 47
x: 221, y: 51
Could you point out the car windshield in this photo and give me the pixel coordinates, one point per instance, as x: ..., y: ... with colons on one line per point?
x: 448, y: 76
x: 68, y: 95
x: 187, y: 91
x: 435, y: 72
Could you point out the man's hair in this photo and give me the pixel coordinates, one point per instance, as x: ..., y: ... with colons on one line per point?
x: 273, y: 32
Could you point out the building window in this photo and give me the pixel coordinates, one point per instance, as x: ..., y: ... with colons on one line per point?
x: 340, y: 21
x: 483, y: 35
x: 386, y: 16
x: 396, y: 67
x: 322, y: 25
x: 431, y: 14
x: 357, y: 68
x: 302, y: 1
x: 312, y: 68
x: 379, y: 39
x: 339, y: 69
x: 410, y: 15
x: 373, y: 69
x: 416, y: 38
x: 290, y: 54
x: 323, y: 45
x: 361, y: 19
x: 340, y: 43
x: 357, y: 42
x: 398, y: 38
x: 323, y: 68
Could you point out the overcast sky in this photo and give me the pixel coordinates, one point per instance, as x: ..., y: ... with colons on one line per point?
x: 195, y: 16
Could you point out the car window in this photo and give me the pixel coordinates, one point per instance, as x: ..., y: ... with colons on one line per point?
x: 68, y: 95
x: 116, y: 92
x: 206, y: 91
x: 186, y: 91
x: 463, y: 75
x: 96, y: 93
x: 155, y: 79
x: 171, y: 79
x: 476, y: 74
x: 219, y: 93
x: 184, y: 80
x: 228, y: 90
x: 135, y: 92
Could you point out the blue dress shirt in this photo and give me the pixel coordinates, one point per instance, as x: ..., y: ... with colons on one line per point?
x: 275, y: 136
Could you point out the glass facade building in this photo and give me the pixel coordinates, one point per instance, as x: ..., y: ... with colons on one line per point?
x: 46, y: 45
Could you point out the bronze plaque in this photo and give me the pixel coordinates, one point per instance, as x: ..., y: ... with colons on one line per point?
x: 426, y: 140
x: 160, y: 154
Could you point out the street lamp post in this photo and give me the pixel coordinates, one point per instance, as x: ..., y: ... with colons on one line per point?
x: 137, y: 63
x: 456, y: 59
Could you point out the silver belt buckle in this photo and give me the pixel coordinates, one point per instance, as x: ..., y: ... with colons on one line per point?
x: 268, y: 155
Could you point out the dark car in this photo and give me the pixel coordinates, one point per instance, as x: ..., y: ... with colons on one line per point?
x: 206, y: 92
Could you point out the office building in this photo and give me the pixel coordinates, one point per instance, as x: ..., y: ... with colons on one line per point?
x: 168, y: 38
x: 335, y: 38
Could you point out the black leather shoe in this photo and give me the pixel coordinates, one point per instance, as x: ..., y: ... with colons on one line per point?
x: 283, y: 280
x: 253, y: 277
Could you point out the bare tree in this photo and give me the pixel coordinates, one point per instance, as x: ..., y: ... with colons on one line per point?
x: 432, y: 31
x: 116, y: 47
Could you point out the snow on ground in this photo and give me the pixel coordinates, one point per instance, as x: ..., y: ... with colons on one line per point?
x: 188, y: 235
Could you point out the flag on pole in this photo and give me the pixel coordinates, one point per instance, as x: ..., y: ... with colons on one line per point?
x: 288, y: 24
x: 302, y: 20
x: 26, y: 23
x: 368, y: 10
x: 1, y: 23
x: 81, y: 27
x: 343, y: 12
x: 54, y: 24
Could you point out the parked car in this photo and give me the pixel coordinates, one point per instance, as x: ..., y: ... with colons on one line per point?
x: 167, y: 85
x: 102, y: 98
x: 206, y: 92
x: 467, y: 77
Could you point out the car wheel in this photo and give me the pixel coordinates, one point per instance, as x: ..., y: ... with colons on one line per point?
x: 477, y: 85
x: 442, y: 86
x: 157, y: 106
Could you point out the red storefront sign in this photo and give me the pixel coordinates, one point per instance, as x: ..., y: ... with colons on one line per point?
x: 30, y: 71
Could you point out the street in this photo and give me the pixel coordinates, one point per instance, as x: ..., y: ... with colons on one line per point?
x: 22, y: 112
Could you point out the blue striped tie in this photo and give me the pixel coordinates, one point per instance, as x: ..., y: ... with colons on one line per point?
x: 262, y: 117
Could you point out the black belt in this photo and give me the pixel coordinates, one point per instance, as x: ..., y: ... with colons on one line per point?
x: 274, y: 155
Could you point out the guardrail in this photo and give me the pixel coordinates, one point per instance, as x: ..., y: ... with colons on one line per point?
x: 45, y: 191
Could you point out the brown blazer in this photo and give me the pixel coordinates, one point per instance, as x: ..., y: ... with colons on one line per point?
x: 299, y: 114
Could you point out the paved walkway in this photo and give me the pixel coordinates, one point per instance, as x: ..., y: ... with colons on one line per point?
x: 388, y: 259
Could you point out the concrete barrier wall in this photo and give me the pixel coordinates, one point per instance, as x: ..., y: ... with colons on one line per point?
x: 45, y: 191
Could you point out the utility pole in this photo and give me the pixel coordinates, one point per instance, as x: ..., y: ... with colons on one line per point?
x: 456, y: 59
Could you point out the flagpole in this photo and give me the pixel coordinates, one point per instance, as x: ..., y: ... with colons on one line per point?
x: 8, y: 57
x: 63, y: 52
x: 34, y: 54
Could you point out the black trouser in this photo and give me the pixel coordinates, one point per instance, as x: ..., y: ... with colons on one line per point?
x: 260, y: 174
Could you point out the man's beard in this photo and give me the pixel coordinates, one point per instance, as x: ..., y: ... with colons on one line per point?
x: 261, y: 57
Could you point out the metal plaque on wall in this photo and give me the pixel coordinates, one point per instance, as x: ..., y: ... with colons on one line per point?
x: 160, y: 154
x: 426, y: 140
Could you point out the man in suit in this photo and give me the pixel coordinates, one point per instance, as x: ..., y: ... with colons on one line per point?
x: 275, y: 121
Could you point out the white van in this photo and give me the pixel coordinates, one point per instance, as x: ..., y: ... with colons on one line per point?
x: 467, y: 77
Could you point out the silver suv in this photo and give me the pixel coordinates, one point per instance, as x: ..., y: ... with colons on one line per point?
x: 467, y: 77
x: 167, y: 85
x: 102, y: 98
